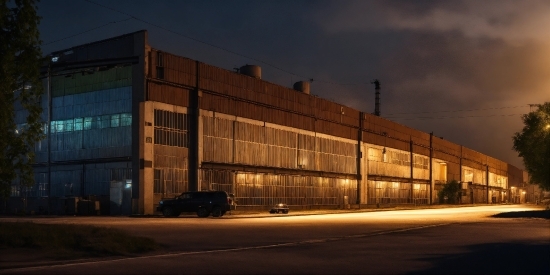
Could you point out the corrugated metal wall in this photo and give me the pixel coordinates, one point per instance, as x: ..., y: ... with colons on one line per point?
x: 386, y: 192
x: 91, y: 120
x: 237, y: 142
x: 263, y: 189
x: 170, y: 152
x: 227, y: 141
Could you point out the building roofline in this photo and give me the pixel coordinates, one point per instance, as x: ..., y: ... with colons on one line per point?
x: 96, y: 42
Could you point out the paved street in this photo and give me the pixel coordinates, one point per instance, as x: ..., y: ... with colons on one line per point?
x: 448, y: 240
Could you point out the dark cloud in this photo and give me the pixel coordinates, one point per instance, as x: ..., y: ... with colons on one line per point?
x: 440, y: 72
x: 421, y: 7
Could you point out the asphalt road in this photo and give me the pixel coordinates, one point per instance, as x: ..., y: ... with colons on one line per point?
x: 461, y: 240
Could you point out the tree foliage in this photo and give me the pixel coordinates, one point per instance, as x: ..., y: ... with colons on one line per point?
x: 20, y: 85
x: 449, y: 193
x: 533, y: 145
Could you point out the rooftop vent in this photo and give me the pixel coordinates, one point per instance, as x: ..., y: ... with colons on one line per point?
x: 302, y: 86
x: 251, y: 70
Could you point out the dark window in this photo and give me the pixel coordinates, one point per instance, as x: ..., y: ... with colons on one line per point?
x: 170, y: 128
x: 160, y: 65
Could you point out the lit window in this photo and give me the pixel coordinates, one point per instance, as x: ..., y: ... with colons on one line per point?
x: 125, y: 119
x: 160, y: 65
x: 87, y: 123
x: 115, y: 120
x: 69, y: 125
x: 78, y: 124
x: 59, y: 126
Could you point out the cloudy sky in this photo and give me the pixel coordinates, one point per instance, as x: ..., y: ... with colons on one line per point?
x: 465, y: 70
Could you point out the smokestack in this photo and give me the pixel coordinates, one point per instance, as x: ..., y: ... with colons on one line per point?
x: 377, y: 97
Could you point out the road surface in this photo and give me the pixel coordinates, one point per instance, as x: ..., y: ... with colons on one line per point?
x: 462, y: 240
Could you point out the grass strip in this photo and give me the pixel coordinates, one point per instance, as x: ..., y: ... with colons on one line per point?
x: 70, y: 240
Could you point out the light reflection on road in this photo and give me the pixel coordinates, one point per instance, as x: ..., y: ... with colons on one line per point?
x: 389, y: 215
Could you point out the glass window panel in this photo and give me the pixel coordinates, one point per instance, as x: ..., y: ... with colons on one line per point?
x: 172, y: 120
x: 87, y: 123
x: 78, y: 124
x: 59, y: 126
x: 105, y: 121
x: 69, y: 125
x: 53, y: 126
x: 186, y: 122
x: 173, y: 141
x: 115, y: 120
x: 157, y: 136
x: 96, y: 122
x: 125, y: 119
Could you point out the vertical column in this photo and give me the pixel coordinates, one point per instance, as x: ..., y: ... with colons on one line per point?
x: 412, y: 169
x: 412, y: 158
x: 460, y: 166
x: 139, y: 90
x: 431, y: 167
x: 460, y: 175
x: 49, y: 130
x: 193, y: 116
x: 146, y: 157
x: 358, y: 158
x: 487, y: 183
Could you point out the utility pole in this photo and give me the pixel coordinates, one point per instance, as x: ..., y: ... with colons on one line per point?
x: 377, y: 97
x: 533, y: 105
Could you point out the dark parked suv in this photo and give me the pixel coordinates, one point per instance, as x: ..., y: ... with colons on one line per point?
x: 202, y: 202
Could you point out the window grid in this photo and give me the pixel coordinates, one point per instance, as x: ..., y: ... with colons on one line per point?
x: 171, y: 128
x: 87, y: 123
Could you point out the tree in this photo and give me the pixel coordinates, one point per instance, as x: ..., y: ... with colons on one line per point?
x: 20, y: 62
x: 533, y: 145
x: 449, y: 193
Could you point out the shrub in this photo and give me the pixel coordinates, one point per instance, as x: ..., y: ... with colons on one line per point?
x: 450, y: 192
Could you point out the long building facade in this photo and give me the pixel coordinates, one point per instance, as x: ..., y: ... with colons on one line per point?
x: 128, y: 124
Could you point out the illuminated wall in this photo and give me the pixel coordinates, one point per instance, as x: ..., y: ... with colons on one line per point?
x: 170, y: 150
x: 238, y: 141
x: 385, y: 161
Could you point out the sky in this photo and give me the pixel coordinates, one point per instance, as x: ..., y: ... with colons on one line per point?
x: 464, y: 70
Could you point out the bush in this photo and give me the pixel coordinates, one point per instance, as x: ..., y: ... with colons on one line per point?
x: 450, y: 192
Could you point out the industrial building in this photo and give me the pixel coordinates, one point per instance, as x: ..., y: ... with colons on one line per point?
x: 128, y: 124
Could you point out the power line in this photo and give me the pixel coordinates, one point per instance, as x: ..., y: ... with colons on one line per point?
x: 463, y: 110
x: 449, y: 117
x: 86, y: 31
x: 221, y: 48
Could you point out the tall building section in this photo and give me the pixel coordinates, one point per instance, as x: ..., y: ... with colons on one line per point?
x: 130, y: 124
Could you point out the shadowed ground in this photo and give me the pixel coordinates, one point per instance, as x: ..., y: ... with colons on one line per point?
x: 493, y: 258
x: 543, y: 214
